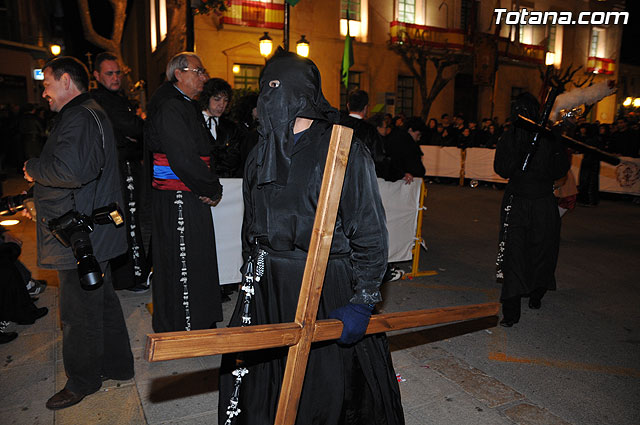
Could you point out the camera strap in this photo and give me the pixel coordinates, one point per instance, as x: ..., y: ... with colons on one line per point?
x: 101, y: 129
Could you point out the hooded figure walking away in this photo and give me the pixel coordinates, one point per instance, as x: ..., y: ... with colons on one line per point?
x: 530, y: 232
x: 349, y: 381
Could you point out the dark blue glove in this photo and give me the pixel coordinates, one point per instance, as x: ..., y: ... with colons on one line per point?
x: 355, y: 319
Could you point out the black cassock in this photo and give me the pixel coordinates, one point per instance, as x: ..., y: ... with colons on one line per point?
x: 186, y: 290
x: 343, y: 384
x: 533, y: 232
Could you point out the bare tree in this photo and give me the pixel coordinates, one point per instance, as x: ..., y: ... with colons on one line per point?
x: 113, y: 44
x: 416, y: 54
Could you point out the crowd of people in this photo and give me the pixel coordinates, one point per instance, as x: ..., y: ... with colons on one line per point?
x: 101, y: 151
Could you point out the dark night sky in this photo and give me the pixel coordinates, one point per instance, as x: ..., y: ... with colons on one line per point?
x: 629, y: 52
x: 75, y: 43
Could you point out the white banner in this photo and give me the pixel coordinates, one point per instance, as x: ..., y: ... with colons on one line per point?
x: 441, y: 161
x: 400, y: 202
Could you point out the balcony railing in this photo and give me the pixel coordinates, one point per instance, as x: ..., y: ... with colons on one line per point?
x: 445, y: 38
x: 455, y: 39
x: 601, y: 65
x: 521, y: 52
x: 254, y: 14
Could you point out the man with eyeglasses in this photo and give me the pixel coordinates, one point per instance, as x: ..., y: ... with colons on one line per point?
x: 130, y: 270
x: 186, y: 289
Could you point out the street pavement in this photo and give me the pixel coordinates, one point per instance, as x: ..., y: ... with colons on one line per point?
x: 575, y: 361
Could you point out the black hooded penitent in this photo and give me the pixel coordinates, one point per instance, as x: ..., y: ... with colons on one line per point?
x: 289, y: 88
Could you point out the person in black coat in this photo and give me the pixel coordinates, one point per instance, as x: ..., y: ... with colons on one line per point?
x: 530, y: 233
x: 186, y: 288
x: 349, y: 378
x: 358, y: 106
x: 129, y: 270
x: 246, y: 117
x: 214, y: 99
x: 78, y: 170
x: 406, y: 156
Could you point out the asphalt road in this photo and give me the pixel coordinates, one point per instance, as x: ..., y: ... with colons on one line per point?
x: 578, y: 356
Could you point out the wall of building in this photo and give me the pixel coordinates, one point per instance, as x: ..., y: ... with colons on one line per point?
x: 222, y: 46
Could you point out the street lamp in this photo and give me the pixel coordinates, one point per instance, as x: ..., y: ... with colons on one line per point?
x: 55, y: 49
x: 627, y: 102
x: 302, y: 47
x: 636, y: 102
x: 266, y: 44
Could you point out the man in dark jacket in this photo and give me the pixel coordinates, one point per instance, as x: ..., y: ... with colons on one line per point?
x: 358, y: 106
x: 130, y: 270
x: 186, y: 288
x: 78, y: 171
x: 406, y: 155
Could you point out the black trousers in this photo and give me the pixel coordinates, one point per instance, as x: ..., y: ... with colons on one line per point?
x: 511, y: 307
x: 95, y: 341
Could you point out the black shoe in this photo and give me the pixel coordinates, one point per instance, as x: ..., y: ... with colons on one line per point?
x: 37, y: 314
x: 63, y: 399
x: 7, y: 337
x: 535, y: 303
x: 507, y: 323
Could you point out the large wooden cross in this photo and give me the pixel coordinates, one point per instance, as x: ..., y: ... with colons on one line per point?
x: 305, y: 330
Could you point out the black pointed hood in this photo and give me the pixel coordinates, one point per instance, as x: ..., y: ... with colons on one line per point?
x: 290, y: 87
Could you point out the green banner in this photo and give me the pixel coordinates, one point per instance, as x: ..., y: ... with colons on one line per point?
x: 347, y: 58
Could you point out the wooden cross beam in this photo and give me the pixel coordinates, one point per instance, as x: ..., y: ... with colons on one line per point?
x: 299, y: 335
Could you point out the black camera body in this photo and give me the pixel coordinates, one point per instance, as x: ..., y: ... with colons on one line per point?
x: 72, y: 230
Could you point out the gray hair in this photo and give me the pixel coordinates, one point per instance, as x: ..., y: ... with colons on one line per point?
x: 179, y: 61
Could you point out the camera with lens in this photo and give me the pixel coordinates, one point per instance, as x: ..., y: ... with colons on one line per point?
x: 72, y: 230
x: 9, y: 205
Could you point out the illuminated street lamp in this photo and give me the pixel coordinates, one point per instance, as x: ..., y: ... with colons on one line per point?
x: 55, y: 49
x: 636, y: 102
x: 627, y: 102
x: 266, y: 44
x: 302, y: 47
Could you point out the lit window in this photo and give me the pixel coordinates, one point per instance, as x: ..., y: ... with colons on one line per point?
x: 407, y: 11
x: 247, y: 76
x: 404, y: 103
x: 596, y: 46
x: 358, y: 18
x: 350, y: 9
x: 152, y: 17
x: 158, y: 22
x: 551, y: 44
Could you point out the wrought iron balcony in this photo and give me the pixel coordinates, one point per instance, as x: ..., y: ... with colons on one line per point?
x: 457, y: 39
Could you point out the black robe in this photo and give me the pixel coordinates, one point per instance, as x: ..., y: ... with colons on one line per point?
x: 533, y: 232
x: 186, y: 289
x: 354, y: 384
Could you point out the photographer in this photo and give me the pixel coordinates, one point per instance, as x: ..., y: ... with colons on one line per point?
x: 76, y: 174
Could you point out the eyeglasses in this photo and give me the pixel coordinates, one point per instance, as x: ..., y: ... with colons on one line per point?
x: 199, y: 71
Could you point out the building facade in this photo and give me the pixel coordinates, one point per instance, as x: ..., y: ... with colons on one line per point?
x: 25, y: 39
x: 228, y: 44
